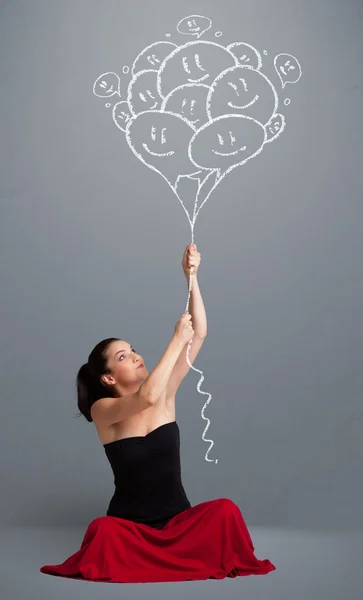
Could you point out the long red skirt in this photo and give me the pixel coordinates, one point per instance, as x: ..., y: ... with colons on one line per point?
x: 207, y: 541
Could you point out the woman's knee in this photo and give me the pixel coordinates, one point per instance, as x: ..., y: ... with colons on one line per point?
x: 100, y: 522
x: 226, y: 505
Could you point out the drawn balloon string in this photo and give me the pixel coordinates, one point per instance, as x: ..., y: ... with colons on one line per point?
x: 198, y: 111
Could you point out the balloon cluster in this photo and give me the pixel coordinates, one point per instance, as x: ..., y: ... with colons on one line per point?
x: 200, y: 109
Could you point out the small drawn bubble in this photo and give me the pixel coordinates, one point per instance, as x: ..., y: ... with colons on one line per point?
x: 125, y: 69
x: 121, y: 114
x: 108, y: 104
x: 287, y: 101
x: 284, y: 63
x: 194, y: 25
x: 106, y: 85
x: 168, y: 35
x: 265, y: 52
x: 218, y: 33
x: 275, y: 127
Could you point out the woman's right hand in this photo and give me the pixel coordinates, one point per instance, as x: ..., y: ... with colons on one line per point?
x: 183, y: 329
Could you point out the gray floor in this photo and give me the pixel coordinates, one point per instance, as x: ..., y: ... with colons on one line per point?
x: 309, y: 566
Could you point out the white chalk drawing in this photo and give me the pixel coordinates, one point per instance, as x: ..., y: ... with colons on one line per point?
x: 193, y: 62
x: 107, y: 85
x: 218, y: 33
x: 189, y: 101
x: 198, y: 111
x: 125, y: 69
x: 246, y: 55
x: 274, y: 127
x: 194, y: 25
x: 152, y: 56
x: 142, y: 93
x: 287, y: 68
x: 245, y: 91
x: 121, y: 114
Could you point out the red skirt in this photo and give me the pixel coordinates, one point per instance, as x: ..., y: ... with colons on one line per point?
x: 207, y: 541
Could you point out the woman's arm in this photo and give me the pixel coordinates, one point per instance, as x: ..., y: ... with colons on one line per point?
x: 197, y: 310
x: 156, y: 382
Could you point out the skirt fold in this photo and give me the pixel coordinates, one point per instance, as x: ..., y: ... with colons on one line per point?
x: 208, y: 541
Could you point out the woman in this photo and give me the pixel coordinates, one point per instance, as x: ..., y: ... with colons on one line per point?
x: 151, y: 533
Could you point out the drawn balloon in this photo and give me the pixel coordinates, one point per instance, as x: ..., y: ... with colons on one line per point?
x: 152, y: 56
x: 194, y: 62
x: 242, y: 90
x: 225, y: 143
x: 142, y: 93
x: 246, y: 55
x: 121, y: 114
x: 160, y: 140
x: 189, y: 101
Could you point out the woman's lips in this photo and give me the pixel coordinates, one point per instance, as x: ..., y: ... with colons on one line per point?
x: 139, y: 367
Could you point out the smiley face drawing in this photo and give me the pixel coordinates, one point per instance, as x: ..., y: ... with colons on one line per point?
x: 226, y: 142
x: 188, y: 101
x: 152, y: 56
x: 242, y: 90
x: 160, y: 140
x: 121, y: 114
x: 288, y: 68
x: 142, y: 93
x: 107, y: 85
x: 194, y: 62
x: 194, y: 25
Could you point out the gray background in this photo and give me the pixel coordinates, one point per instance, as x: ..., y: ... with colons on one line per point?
x: 91, y: 247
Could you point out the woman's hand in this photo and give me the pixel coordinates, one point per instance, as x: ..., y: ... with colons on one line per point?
x: 191, y: 258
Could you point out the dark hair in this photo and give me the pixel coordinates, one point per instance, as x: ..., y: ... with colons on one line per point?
x: 89, y: 385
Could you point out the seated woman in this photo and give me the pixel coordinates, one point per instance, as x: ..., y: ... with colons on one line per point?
x: 151, y: 533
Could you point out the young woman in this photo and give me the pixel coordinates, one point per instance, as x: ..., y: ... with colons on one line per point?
x: 151, y: 533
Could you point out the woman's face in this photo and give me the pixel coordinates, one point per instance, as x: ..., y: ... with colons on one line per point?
x: 124, y: 362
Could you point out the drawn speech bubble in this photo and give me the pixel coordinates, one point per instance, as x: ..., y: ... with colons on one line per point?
x: 288, y: 68
x: 107, y: 85
x: 194, y: 25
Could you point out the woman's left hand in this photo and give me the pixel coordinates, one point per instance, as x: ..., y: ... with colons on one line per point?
x: 191, y: 258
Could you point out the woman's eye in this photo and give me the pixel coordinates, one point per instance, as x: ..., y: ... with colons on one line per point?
x: 133, y: 350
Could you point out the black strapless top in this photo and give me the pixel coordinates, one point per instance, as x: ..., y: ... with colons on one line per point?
x: 147, y: 477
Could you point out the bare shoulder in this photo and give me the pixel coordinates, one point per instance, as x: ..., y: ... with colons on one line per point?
x: 109, y: 411
x: 139, y: 424
x: 105, y: 434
